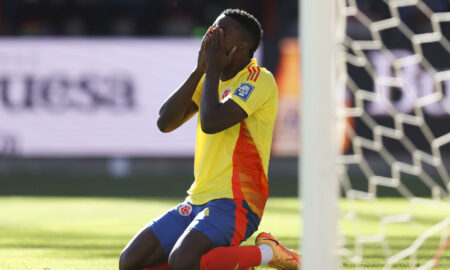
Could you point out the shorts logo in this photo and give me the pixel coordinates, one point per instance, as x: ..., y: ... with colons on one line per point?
x: 185, y: 209
x: 225, y: 93
x: 244, y: 91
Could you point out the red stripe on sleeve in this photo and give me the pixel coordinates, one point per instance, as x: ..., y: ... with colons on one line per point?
x: 249, y: 73
x: 257, y: 74
x: 253, y: 73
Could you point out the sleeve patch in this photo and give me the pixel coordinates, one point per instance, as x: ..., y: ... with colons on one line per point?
x: 244, y: 91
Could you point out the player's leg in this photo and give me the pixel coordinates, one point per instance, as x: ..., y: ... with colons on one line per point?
x: 143, y: 250
x: 188, y: 250
x: 153, y: 244
x: 195, y: 252
x: 266, y: 251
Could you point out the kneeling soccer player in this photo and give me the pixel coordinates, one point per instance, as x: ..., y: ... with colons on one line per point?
x: 237, y: 103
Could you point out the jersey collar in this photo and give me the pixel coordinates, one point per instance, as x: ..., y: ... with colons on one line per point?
x: 253, y: 63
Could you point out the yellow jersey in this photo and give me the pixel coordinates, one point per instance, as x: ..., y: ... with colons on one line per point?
x: 233, y: 163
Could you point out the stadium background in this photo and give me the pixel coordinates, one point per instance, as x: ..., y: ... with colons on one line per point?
x: 122, y: 172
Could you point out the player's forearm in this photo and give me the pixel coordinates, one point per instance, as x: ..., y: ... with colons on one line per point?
x: 173, y: 111
x: 210, y: 100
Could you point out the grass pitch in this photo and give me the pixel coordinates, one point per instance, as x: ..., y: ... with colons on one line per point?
x: 89, y: 233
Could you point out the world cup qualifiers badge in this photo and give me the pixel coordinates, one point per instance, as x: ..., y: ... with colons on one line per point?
x: 244, y: 91
x: 185, y: 209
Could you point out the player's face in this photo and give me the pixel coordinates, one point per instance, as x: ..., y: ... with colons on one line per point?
x: 231, y: 31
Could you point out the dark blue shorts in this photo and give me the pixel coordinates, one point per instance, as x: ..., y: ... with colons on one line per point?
x: 226, y: 222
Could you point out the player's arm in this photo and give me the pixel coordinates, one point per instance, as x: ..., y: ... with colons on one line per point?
x: 179, y: 107
x: 216, y: 116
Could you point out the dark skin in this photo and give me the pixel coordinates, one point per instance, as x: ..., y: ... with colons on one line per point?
x: 224, y: 52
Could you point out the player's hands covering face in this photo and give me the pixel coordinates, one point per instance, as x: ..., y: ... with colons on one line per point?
x: 201, y: 65
x: 216, y: 56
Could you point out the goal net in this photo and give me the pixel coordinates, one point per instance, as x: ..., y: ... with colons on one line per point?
x: 396, y: 140
x: 376, y: 84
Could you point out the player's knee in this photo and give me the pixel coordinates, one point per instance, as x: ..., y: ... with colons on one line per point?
x: 127, y: 261
x: 182, y: 261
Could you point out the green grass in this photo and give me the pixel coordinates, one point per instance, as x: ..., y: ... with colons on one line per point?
x: 89, y: 233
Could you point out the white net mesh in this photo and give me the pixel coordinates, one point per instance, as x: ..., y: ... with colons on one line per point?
x: 397, y: 56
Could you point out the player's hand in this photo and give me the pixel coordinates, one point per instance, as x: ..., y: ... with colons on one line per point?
x: 216, y: 56
x: 201, y: 65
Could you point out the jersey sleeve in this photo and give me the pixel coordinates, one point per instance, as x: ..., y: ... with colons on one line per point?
x: 197, y: 96
x: 250, y: 95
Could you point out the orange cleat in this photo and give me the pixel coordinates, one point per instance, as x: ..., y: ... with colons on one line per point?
x: 283, y: 258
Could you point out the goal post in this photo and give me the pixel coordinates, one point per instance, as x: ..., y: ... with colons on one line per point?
x: 318, y: 181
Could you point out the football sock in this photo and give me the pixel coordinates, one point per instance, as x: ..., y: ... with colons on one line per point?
x: 226, y: 258
x: 162, y: 266
x: 266, y: 254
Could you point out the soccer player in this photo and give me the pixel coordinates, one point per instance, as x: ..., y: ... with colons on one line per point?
x: 236, y: 101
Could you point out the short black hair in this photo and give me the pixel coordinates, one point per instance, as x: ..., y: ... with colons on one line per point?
x: 250, y: 23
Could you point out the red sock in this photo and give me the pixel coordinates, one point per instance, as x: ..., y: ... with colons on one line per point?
x: 163, y: 266
x: 226, y: 258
